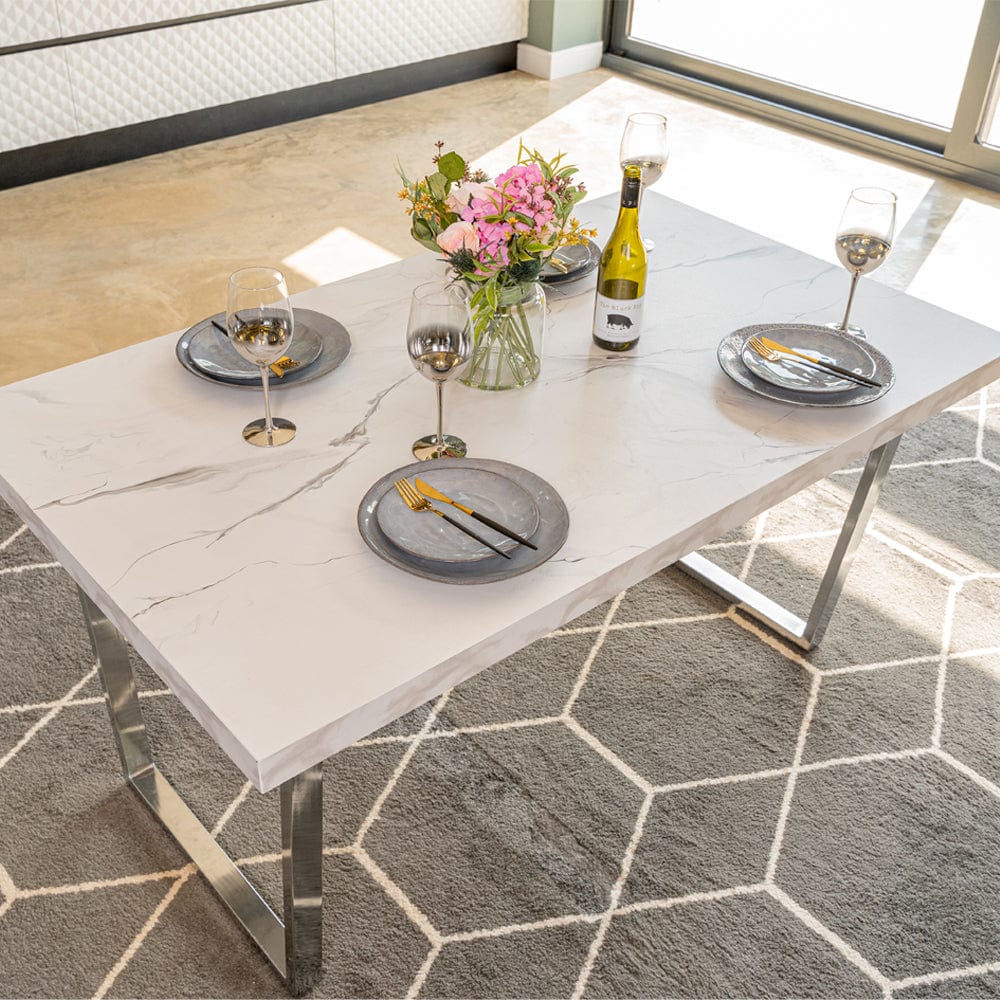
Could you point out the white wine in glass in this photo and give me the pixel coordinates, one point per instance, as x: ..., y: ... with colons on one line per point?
x: 864, y: 239
x: 644, y: 145
x: 260, y: 325
x: 439, y: 342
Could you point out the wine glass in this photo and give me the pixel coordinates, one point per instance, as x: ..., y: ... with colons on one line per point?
x: 439, y: 341
x: 259, y: 322
x: 864, y: 238
x: 644, y: 144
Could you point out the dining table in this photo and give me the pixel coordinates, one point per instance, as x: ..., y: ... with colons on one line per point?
x: 242, y: 575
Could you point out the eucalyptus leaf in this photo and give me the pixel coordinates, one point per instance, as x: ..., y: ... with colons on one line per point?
x: 452, y: 166
x: 422, y: 229
x: 438, y: 184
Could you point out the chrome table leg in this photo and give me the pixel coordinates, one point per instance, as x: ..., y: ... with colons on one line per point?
x: 302, y: 868
x: 808, y: 632
x: 294, y: 945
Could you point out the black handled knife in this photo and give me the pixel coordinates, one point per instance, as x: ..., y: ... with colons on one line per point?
x: 434, y: 494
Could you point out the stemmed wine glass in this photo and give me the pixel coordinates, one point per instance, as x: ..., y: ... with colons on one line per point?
x: 864, y: 238
x: 439, y: 341
x: 259, y: 322
x: 644, y: 144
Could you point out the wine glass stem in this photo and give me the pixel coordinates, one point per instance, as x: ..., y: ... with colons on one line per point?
x: 440, y: 435
x: 265, y: 381
x: 647, y: 243
x: 850, y: 300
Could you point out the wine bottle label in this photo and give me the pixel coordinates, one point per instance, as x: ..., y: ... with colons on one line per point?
x: 618, y: 320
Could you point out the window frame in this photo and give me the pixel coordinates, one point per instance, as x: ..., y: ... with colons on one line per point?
x: 956, y: 152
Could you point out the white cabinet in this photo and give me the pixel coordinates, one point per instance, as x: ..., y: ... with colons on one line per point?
x: 137, y: 77
x: 54, y: 91
x: 37, y: 99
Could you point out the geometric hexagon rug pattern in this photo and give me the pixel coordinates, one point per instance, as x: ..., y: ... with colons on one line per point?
x: 660, y: 799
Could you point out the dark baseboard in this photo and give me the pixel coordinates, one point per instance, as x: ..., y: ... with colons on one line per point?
x: 68, y: 156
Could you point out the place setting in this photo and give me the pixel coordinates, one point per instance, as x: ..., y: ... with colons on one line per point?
x: 823, y: 365
x: 259, y: 338
x: 208, y: 349
x: 571, y: 263
x: 447, y: 517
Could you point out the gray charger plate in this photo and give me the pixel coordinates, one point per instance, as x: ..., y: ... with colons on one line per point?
x: 498, y: 497
x: 730, y: 355
x: 205, y: 352
x: 582, y: 258
x: 553, y: 525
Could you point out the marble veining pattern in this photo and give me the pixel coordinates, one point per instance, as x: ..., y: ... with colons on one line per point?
x: 240, y: 576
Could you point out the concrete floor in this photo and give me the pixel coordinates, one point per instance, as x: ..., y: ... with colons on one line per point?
x: 98, y: 260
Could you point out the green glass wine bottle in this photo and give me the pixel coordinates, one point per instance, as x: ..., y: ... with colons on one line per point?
x: 621, y: 276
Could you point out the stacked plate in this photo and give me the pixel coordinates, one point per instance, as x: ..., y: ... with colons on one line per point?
x: 426, y: 545
x: 319, y: 344
x: 578, y: 259
x: 792, y: 381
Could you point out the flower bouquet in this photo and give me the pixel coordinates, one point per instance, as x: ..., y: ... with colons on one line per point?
x: 497, y: 236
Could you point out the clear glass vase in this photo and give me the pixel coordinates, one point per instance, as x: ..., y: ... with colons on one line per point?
x: 508, y: 340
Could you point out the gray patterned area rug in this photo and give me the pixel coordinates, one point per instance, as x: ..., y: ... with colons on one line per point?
x: 660, y: 799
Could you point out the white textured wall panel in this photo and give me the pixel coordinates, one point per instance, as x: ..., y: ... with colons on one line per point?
x: 81, y: 17
x: 37, y: 102
x: 89, y: 86
x: 167, y: 71
x: 377, y: 34
x: 23, y: 21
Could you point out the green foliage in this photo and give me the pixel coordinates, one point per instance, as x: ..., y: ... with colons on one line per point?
x: 423, y: 232
x: 452, y: 166
x: 438, y: 185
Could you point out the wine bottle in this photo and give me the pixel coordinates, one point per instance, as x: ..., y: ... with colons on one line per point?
x: 621, y: 275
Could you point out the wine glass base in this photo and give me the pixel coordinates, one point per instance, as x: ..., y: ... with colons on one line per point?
x: 427, y: 447
x: 854, y: 331
x: 255, y: 432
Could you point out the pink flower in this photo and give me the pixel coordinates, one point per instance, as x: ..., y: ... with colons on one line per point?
x: 457, y: 236
x: 520, y: 176
x: 459, y: 197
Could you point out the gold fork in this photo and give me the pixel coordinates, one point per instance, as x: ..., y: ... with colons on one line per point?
x: 415, y: 501
x: 770, y: 351
x: 282, y: 365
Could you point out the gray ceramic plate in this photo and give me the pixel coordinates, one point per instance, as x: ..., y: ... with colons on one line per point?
x: 730, y: 355
x: 430, y: 537
x: 553, y: 524
x: 205, y: 352
x: 582, y: 258
x: 820, y: 342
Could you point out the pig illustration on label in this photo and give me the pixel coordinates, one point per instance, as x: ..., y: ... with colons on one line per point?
x: 614, y: 320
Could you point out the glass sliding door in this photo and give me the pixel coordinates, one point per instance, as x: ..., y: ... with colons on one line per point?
x: 975, y: 135
x: 919, y: 78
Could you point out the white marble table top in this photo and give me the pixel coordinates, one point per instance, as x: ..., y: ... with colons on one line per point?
x: 239, y: 574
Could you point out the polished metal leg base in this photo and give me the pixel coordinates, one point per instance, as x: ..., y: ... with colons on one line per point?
x: 805, y: 632
x: 293, y: 945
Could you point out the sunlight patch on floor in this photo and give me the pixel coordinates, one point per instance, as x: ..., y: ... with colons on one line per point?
x: 338, y: 254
